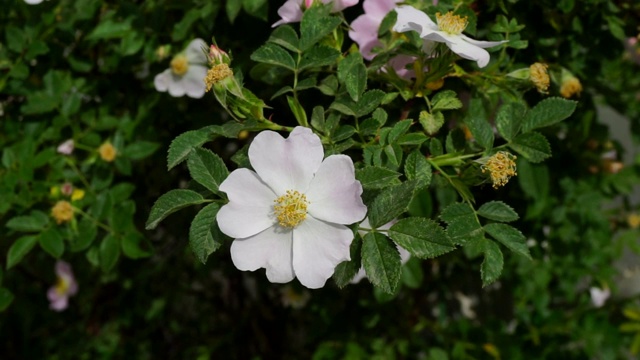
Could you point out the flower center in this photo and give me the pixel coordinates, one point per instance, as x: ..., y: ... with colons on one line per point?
x: 452, y: 24
x: 291, y: 208
x: 501, y: 168
x: 539, y: 76
x: 179, y: 65
x: 216, y: 74
x: 62, y: 286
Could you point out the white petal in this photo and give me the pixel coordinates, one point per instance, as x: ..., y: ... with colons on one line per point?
x: 318, y: 247
x: 270, y: 249
x: 359, y: 276
x: 195, y: 52
x: 412, y: 19
x: 193, y: 81
x: 470, y: 52
x: 161, y: 81
x: 289, y: 12
x: 482, y: 44
x: 405, y: 255
x: 250, y: 207
x: 286, y: 164
x: 334, y: 193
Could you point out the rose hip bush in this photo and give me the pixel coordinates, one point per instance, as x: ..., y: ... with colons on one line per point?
x: 207, y: 179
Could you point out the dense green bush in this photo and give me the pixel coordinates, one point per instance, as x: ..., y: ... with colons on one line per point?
x: 85, y: 70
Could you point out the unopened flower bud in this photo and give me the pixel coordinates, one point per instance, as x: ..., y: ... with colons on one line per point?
x: 218, y: 56
x: 66, y: 189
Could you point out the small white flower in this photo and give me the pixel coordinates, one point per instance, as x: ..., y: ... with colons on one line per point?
x: 404, y: 254
x: 66, y: 148
x: 599, y: 296
x: 186, y: 73
x: 448, y: 30
x: 289, y: 215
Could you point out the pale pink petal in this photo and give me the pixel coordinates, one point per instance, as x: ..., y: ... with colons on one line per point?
x: 599, y: 296
x: 161, y: 81
x: 289, y: 12
x: 270, y: 249
x: 250, y: 207
x: 379, y: 8
x: 339, y: 5
x: 193, y: 81
x: 334, y: 193
x: 412, y: 19
x: 59, y: 304
x: 364, y: 31
x: 359, y: 276
x: 399, y: 64
x: 197, y: 51
x: 318, y: 247
x: 286, y: 164
x: 482, y: 44
x: 66, y: 148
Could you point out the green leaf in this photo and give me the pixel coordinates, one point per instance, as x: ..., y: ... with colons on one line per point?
x: 374, y: 177
x: 316, y: 23
x: 548, y: 112
x: 135, y: 246
x: 462, y: 223
x: 399, y: 129
x: 533, y: 179
x: 171, y: 202
x: 286, y: 37
x: 6, y: 297
x: 381, y: 261
x: 182, y: 145
x: 391, y: 203
x: 297, y: 110
x: 493, y: 263
x: 533, y: 146
x: 16, y: 38
x: 431, y: 123
x: 317, y: 118
x: 109, y: 252
x: 109, y: 29
x: 423, y: 238
x: 204, y: 235
x: 275, y: 55
x: 478, y: 124
x: 509, y: 237
x: 346, y: 270
x: 233, y: 8
x: 28, y: 223
x: 19, y: 249
x: 369, y: 102
x: 416, y: 167
x: 140, y: 149
x: 87, y: 232
x: 52, y: 242
x: 445, y: 100
x: 509, y: 119
x: 207, y: 168
x: 317, y: 56
x: 498, y: 211
x: 353, y: 74
x: 257, y: 8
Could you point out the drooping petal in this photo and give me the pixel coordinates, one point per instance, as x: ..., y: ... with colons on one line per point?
x: 482, y: 44
x: 196, y: 52
x: 339, y: 5
x: 270, y: 249
x: 412, y: 19
x: 286, y: 164
x: 334, y: 193
x: 289, y: 12
x: 193, y: 81
x: 250, y: 207
x: 470, y: 52
x: 364, y: 31
x: 399, y: 64
x: 318, y: 247
x: 378, y: 9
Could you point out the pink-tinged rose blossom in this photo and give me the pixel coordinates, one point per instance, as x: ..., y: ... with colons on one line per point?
x: 404, y: 254
x: 65, y: 287
x: 289, y: 215
x: 364, y: 29
x: 66, y: 148
x: 447, y: 30
x: 291, y: 11
x: 66, y: 189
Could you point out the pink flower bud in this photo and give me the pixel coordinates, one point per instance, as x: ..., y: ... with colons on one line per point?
x: 218, y: 56
x: 66, y: 189
x: 66, y: 148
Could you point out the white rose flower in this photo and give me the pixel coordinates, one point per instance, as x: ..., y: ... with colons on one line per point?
x: 289, y: 215
x: 187, y: 72
x: 404, y: 254
x: 599, y: 296
x: 448, y: 30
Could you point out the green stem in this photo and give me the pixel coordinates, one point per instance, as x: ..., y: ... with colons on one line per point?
x: 77, y: 171
x: 92, y: 219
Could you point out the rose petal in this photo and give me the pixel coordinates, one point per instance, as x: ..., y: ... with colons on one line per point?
x: 470, y: 52
x: 161, y: 81
x: 193, y: 81
x: 270, y: 249
x: 482, y: 44
x: 250, y: 207
x: 59, y: 304
x: 339, y: 5
x: 365, y: 33
x: 334, y: 193
x: 286, y: 164
x: 196, y: 52
x: 289, y: 12
x: 379, y: 8
x: 412, y: 19
x: 318, y: 247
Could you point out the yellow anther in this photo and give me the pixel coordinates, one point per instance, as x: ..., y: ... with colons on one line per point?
x: 452, y: 24
x: 179, y: 65
x: 107, y: 152
x: 539, y: 76
x: 62, y: 211
x: 291, y: 208
x: 216, y: 74
x: 570, y: 86
x: 634, y: 221
x: 501, y: 167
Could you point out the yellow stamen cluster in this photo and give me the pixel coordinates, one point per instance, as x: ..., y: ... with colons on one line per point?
x: 634, y: 221
x: 291, y: 208
x: 570, y: 87
x: 62, y: 211
x: 179, y: 65
x: 107, y: 152
x: 539, y: 76
x: 62, y: 285
x: 501, y: 167
x: 452, y: 24
x: 216, y: 74
x: 77, y: 194
x: 435, y: 85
